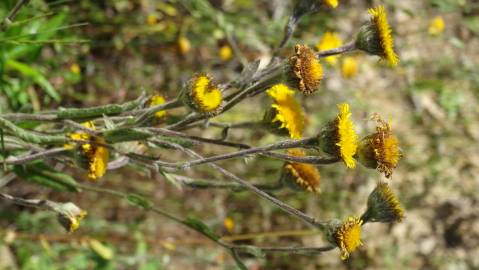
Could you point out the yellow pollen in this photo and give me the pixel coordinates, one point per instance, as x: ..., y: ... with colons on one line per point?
x: 158, y: 100
x: 348, y: 237
x: 330, y: 40
x: 305, y: 175
x: 331, y: 3
x: 436, y: 26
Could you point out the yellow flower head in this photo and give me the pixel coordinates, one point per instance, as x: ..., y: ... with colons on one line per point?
x: 330, y: 40
x: 91, y: 147
x: 151, y: 19
x: 184, y: 45
x: 436, y: 26
x: 225, y: 52
x: 331, y: 3
x: 379, y: 19
x: 75, y: 68
x: 383, y: 205
x: 349, y: 67
x: 347, y: 236
x: 339, y: 138
x: 375, y: 38
x: 381, y: 149
x: 204, y: 96
x: 158, y: 100
x: 286, y: 111
x: 97, y: 160
x: 307, y: 71
x: 229, y: 224
x: 305, y: 176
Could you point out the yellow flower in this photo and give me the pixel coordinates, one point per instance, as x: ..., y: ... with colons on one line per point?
x: 381, y: 149
x: 379, y: 19
x: 158, y: 100
x: 225, y: 52
x: 375, y: 38
x: 184, y: 45
x: 151, y: 19
x: 347, y: 137
x: 305, y: 176
x: 307, y: 71
x: 203, y: 95
x: 347, y: 236
x: 75, y: 68
x: 229, y: 224
x: 287, y: 110
x: 436, y: 26
x: 331, y: 3
x: 383, y: 205
x: 330, y: 40
x: 349, y: 67
x: 97, y: 160
x: 339, y: 138
x: 96, y: 155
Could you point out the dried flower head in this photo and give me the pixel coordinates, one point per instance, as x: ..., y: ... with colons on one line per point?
x: 346, y: 235
x: 158, y: 100
x: 69, y: 215
x: 436, y: 26
x: 203, y: 95
x: 301, y: 176
x: 285, y: 114
x: 339, y: 138
x: 381, y: 149
x: 375, y: 37
x: 330, y: 40
x: 383, y: 205
x: 92, y: 151
x: 331, y: 3
x: 307, y: 71
x: 349, y: 68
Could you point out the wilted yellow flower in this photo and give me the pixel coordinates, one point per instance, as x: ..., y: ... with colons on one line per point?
x: 330, y: 40
x: 381, y: 149
x: 331, y: 3
x: 158, y: 100
x: 151, y: 19
x: 184, y: 45
x: 225, y: 52
x: 286, y: 111
x: 75, y: 68
x: 339, y: 138
x: 304, y: 176
x: 375, y: 38
x: 307, y: 71
x: 349, y: 67
x: 383, y: 205
x: 436, y: 26
x: 203, y: 95
x: 346, y: 235
x: 69, y: 215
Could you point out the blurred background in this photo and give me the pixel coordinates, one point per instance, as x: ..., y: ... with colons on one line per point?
x: 85, y: 53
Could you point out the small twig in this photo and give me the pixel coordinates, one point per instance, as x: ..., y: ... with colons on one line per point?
x: 30, y: 157
x: 11, y: 15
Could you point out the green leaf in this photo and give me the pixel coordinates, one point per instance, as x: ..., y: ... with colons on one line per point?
x: 43, y: 175
x: 201, y: 227
x: 170, y: 178
x: 35, y: 75
x: 139, y: 201
x: 252, y: 250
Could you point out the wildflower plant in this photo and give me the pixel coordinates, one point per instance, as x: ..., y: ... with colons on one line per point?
x: 94, y: 139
